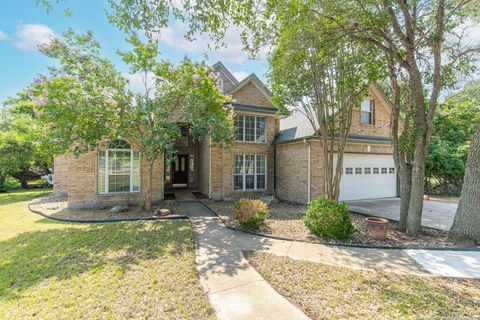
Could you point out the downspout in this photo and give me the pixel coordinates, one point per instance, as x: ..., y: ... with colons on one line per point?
x: 210, y: 170
x: 309, y: 168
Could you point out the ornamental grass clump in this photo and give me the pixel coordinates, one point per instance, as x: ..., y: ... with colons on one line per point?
x: 328, y: 218
x: 250, y: 213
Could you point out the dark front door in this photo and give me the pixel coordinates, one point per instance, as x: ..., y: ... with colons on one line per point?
x: 180, y: 169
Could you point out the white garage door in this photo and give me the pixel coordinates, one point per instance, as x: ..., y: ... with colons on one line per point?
x: 367, y: 176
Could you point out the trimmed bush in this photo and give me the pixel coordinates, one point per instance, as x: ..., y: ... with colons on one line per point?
x: 328, y: 218
x: 250, y: 213
x: 142, y: 204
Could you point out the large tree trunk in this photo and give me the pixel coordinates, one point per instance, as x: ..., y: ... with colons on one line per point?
x: 405, y: 177
x: 415, y: 208
x: 148, y: 200
x: 466, y: 224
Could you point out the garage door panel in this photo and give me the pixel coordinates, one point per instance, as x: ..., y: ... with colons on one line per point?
x: 368, y: 176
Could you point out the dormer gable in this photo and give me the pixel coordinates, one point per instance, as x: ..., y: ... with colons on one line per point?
x: 226, y: 79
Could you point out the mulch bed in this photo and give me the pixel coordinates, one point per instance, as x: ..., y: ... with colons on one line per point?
x: 285, y: 220
x: 55, y: 206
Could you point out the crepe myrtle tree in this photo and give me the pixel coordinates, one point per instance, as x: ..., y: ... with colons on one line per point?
x: 85, y: 100
x: 323, y: 78
x: 172, y: 97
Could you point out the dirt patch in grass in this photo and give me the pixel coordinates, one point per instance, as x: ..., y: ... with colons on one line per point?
x: 285, y: 220
x: 55, y: 206
x: 121, y: 270
x: 328, y: 292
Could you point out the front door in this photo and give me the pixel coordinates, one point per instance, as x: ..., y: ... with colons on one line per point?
x: 180, y: 170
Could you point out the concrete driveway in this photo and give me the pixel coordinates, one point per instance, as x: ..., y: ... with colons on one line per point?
x: 436, y: 214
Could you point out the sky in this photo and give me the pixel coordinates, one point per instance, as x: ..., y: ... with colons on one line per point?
x: 23, y: 26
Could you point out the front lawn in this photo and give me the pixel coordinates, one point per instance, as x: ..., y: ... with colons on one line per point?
x: 328, y: 292
x: 51, y: 270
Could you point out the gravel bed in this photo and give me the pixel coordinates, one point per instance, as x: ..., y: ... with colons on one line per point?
x: 285, y: 220
x: 55, y: 206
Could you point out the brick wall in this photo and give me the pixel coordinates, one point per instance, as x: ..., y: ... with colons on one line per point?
x: 381, y: 116
x: 204, y: 166
x: 222, y: 165
x: 82, y: 191
x: 292, y: 167
x: 250, y: 94
x: 60, y: 177
x: 291, y: 172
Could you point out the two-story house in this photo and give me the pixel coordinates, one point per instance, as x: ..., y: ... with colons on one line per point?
x: 269, y: 156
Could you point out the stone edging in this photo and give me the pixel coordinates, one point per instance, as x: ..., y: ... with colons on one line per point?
x: 180, y: 217
x: 348, y: 245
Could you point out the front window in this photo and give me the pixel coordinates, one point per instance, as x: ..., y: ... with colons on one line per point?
x: 249, y: 172
x: 250, y: 128
x: 367, y: 112
x: 118, y: 168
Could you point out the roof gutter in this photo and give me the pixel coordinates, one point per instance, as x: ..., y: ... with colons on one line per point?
x: 316, y: 138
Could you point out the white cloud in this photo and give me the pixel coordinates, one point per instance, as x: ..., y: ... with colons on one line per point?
x: 240, y: 75
x: 3, y: 36
x: 136, y: 81
x: 29, y: 36
x: 173, y: 36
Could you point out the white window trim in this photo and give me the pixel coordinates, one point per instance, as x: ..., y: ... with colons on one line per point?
x: 255, y: 129
x: 244, y: 174
x: 105, y: 191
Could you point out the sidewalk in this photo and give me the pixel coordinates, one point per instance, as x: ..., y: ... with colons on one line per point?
x: 235, y: 289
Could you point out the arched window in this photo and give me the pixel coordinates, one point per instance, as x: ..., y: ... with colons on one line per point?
x: 118, y: 168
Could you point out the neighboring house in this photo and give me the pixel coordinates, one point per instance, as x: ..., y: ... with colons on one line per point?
x: 269, y: 156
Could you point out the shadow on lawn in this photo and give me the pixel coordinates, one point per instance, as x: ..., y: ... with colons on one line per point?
x: 21, y: 195
x: 32, y: 257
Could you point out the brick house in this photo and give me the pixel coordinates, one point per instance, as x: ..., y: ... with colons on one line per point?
x: 270, y: 156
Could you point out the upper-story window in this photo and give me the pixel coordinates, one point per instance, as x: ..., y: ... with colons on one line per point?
x: 250, y: 128
x: 118, y: 168
x: 185, y: 138
x: 367, y: 110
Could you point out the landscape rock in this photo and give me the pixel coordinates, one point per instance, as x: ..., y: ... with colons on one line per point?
x: 269, y: 199
x: 162, y: 212
x: 118, y: 209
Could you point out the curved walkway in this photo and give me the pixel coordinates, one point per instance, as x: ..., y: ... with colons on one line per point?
x: 234, y: 288
x: 237, y: 291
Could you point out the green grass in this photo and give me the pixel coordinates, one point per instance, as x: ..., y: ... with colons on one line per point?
x: 328, y: 292
x: 122, y: 270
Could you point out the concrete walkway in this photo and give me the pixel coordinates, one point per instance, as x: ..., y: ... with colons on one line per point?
x: 234, y: 288
x: 237, y: 291
x: 435, y: 214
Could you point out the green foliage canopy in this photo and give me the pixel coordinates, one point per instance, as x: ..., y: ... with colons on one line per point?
x: 453, y: 128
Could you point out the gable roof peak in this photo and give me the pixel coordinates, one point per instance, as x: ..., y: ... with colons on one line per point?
x: 228, y: 74
x: 256, y: 80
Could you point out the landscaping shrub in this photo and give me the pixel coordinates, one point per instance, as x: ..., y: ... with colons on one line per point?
x: 11, y: 183
x: 250, y: 213
x: 142, y: 204
x: 327, y: 218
